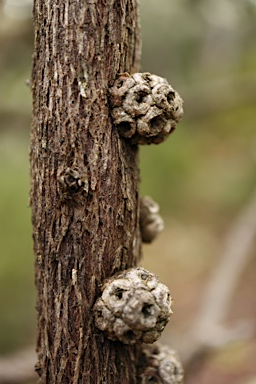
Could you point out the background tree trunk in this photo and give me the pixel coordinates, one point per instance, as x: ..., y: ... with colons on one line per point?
x: 84, y: 193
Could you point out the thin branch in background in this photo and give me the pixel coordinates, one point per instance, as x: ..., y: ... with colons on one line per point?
x: 208, y: 330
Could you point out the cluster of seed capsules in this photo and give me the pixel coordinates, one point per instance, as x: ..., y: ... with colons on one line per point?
x: 134, y: 307
x: 144, y: 107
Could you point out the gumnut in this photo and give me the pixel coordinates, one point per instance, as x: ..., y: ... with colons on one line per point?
x: 159, y: 364
x: 144, y: 107
x: 72, y: 181
x: 151, y: 223
x: 134, y: 307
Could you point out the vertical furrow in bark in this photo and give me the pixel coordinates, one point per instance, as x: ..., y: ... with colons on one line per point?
x: 81, y: 238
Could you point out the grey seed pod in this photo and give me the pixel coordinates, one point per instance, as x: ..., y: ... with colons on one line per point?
x: 124, y: 121
x: 151, y: 223
x: 71, y: 182
x: 134, y: 307
x: 136, y: 102
x: 152, y: 123
x: 153, y: 105
x: 121, y: 86
x: 159, y: 364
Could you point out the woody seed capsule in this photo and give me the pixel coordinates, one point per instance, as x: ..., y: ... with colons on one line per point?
x: 145, y: 108
x: 134, y: 307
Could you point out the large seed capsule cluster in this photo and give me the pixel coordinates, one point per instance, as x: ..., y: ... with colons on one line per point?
x: 145, y: 108
x: 134, y: 307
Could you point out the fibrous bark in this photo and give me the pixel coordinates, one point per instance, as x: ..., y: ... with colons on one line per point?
x: 84, y: 193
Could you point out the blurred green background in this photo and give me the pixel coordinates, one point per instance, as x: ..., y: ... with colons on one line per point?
x: 202, y: 176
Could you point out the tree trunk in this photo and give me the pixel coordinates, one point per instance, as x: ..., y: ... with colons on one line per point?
x: 85, y: 184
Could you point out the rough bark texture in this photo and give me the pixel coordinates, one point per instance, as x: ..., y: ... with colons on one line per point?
x: 84, y: 193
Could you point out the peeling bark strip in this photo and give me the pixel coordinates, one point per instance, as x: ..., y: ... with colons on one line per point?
x: 84, y: 193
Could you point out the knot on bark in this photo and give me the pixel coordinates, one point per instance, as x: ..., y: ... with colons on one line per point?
x: 151, y: 223
x: 71, y: 182
x: 159, y: 364
x: 145, y: 108
x: 134, y: 307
